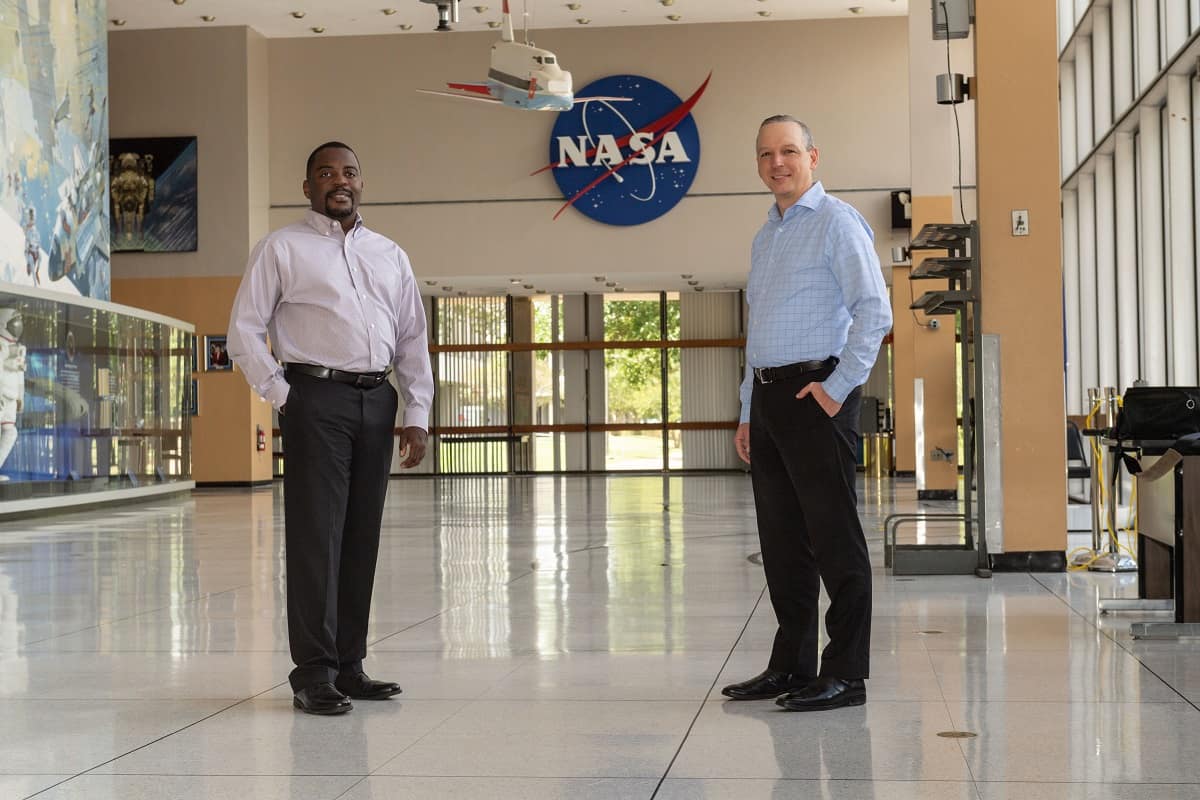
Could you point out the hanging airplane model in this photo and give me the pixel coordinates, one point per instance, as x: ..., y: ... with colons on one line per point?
x: 521, y: 76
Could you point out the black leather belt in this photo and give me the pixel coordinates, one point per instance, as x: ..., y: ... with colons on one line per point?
x: 359, y: 379
x: 772, y: 374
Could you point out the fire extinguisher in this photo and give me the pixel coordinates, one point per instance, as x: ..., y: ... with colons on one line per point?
x: 261, y: 439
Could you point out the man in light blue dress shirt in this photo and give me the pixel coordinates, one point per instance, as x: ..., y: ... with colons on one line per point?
x: 819, y: 310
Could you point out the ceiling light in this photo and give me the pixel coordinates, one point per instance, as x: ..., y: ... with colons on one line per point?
x: 693, y: 283
x: 574, y: 6
x: 514, y: 280
x: 856, y: 9
x: 480, y: 9
x: 619, y: 289
x: 685, y: 277
x: 764, y: 13
x: 583, y: 20
x: 208, y: 18
x: 462, y: 294
x: 298, y: 14
x: 431, y: 283
x: 610, y: 284
x: 317, y: 29
x: 180, y: 2
x: 667, y: 2
x: 447, y: 288
x: 404, y: 26
x: 119, y: 23
x: 674, y: 17
x: 527, y: 285
x: 387, y: 12
x: 493, y: 24
x: 599, y: 279
x: 698, y: 288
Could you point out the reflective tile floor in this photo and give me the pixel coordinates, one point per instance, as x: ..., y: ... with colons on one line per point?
x: 558, y: 637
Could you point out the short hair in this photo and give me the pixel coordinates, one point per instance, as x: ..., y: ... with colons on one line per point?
x: 804, y: 129
x: 312, y: 157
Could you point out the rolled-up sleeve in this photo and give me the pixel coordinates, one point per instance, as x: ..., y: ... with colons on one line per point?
x: 253, y: 307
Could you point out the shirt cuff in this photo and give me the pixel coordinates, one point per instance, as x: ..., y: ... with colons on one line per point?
x: 278, y: 394
x: 416, y: 418
x: 835, y: 386
x: 745, y: 415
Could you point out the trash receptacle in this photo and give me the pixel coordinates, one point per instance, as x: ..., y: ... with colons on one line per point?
x: 879, y: 455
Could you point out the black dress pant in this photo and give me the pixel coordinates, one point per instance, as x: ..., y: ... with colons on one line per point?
x: 803, y: 471
x: 337, y: 453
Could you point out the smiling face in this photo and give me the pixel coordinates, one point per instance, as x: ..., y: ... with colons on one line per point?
x: 785, y: 162
x: 334, y: 185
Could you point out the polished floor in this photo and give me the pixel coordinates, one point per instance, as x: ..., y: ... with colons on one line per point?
x: 558, y: 637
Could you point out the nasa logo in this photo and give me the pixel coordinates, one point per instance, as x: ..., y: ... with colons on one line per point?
x: 626, y: 163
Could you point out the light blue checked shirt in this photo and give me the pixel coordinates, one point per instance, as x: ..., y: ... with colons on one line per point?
x: 815, y: 290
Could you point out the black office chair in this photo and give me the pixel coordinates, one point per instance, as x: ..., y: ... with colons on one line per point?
x: 1077, y: 459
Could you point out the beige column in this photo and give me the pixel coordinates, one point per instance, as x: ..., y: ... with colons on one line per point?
x: 1018, y: 163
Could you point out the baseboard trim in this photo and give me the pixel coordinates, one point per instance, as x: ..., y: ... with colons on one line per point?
x: 1030, y: 561
x: 937, y: 494
x: 233, y: 484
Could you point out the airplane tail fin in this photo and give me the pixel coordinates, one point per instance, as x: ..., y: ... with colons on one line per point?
x: 506, y: 32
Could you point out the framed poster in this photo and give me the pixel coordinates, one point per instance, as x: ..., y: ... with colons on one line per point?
x: 216, y: 355
x: 152, y: 192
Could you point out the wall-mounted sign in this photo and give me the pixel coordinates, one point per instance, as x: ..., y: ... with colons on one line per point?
x: 626, y: 163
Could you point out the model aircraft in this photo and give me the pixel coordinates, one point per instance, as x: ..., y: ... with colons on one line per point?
x: 521, y: 76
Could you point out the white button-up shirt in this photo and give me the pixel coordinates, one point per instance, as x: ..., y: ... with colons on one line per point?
x: 347, y: 301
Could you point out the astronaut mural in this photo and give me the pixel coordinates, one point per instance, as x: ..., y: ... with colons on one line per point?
x: 12, y: 379
x: 54, y: 220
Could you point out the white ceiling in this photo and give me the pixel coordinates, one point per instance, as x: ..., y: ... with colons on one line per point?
x: 273, y: 18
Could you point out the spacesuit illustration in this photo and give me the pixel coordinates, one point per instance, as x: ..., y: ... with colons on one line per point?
x: 33, y: 255
x: 12, y: 379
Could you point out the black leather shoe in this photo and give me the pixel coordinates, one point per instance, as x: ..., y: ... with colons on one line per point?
x: 824, y: 694
x: 769, y: 683
x: 360, y: 687
x: 322, y: 699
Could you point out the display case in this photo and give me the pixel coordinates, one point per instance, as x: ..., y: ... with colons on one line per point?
x: 93, y: 401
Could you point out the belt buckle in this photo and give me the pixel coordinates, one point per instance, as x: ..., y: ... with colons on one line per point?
x: 760, y: 373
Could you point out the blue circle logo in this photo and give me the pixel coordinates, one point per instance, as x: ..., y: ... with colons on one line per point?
x: 625, y: 162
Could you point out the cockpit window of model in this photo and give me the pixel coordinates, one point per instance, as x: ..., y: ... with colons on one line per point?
x: 521, y: 76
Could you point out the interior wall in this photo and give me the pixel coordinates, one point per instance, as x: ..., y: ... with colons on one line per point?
x: 450, y: 180
x: 212, y: 84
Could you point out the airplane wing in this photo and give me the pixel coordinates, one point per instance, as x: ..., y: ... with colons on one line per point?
x: 598, y: 97
x: 460, y: 96
x: 476, y: 88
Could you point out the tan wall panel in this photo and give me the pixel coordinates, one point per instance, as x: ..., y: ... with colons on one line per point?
x: 904, y: 333
x: 223, y: 446
x: 1018, y: 162
x: 933, y: 360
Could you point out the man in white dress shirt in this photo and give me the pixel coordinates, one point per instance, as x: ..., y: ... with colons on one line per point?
x: 342, y: 310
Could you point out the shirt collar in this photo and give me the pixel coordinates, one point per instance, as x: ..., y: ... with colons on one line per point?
x: 325, y: 224
x: 811, y: 199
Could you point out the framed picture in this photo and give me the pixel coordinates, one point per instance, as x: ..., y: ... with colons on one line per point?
x: 216, y: 355
x: 194, y: 399
x: 152, y: 191
x: 195, y: 348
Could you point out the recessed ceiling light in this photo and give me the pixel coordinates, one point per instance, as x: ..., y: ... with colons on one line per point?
x: 610, y: 284
x: 764, y: 13
x: 317, y: 29
x: 583, y: 20
x: 574, y: 6
x: 693, y: 283
x: 404, y: 26
x: 119, y: 22
x: 619, y: 289
x: 208, y: 18
x: 180, y: 2
x: 698, y: 288
x: 480, y: 9
x: 514, y: 280
x: 674, y: 17
x: 667, y: 2
x: 599, y: 279
x: 493, y: 24
x: 447, y: 288
x: 387, y: 12
x: 527, y: 285
x: 462, y: 294
x: 856, y: 9
x: 685, y: 277
x: 298, y: 14
x: 431, y: 283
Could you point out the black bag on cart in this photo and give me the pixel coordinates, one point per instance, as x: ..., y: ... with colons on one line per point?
x: 1158, y: 413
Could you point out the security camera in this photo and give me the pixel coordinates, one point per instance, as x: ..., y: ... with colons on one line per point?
x: 447, y: 12
x: 934, y: 324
